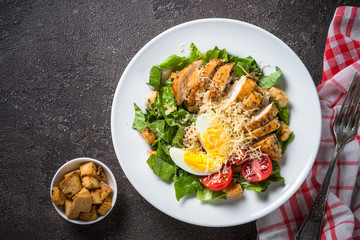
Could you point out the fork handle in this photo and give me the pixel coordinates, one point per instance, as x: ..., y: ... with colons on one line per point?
x: 311, y: 228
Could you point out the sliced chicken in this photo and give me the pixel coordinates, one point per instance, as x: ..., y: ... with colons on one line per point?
x: 279, y: 95
x: 263, y: 117
x: 203, y: 80
x: 240, y: 90
x: 269, y: 145
x: 253, y: 101
x: 220, y: 80
x: 182, y: 81
x: 266, y: 129
x: 284, y: 131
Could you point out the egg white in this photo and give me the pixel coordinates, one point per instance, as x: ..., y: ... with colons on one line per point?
x: 202, y: 124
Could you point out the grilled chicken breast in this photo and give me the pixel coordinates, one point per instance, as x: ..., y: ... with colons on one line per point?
x: 269, y: 145
x: 263, y: 117
x: 182, y: 81
x: 220, y: 80
x: 240, y: 90
x: 264, y: 130
x: 203, y: 80
x: 253, y: 101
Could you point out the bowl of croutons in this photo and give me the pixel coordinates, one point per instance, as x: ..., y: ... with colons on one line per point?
x: 83, y: 191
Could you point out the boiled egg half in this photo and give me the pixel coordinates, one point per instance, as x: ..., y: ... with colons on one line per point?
x: 201, y: 163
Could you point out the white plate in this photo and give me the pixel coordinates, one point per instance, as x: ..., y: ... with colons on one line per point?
x: 239, y: 39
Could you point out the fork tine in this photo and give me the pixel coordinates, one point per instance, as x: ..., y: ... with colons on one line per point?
x: 339, y: 117
x: 355, y: 98
x: 356, y: 106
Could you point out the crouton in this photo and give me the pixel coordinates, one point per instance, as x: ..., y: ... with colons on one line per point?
x: 68, y: 174
x: 100, y: 174
x: 71, y: 185
x: 106, y: 190
x: 105, y: 206
x: 149, y: 153
x: 96, y: 196
x: 99, y: 195
x: 82, y: 201
x: 236, y: 169
x: 151, y: 98
x: 233, y: 190
x: 284, y: 131
x: 69, y: 211
x: 90, y: 182
x: 88, y: 169
x: 148, y: 135
x: 279, y: 95
x: 89, y: 216
x: 57, y: 196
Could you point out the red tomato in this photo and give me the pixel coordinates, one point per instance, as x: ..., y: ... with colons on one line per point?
x: 238, y: 157
x: 218, y: 181
x: 257, y: 169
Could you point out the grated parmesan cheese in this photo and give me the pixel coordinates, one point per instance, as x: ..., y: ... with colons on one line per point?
x: 231, y: 121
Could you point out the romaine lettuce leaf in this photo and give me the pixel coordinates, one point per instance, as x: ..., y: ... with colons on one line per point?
x: 177, y: 141
x: 256, y: 186
x: 284, y: 112
x: 207, y: 195
x: 195, y: 54
x: 161, y: 168
x: 139, y: 121
x: 275, y: 174
x: 286, y: 143
x: 248, y: 63
x: 155, y: 77
x: 168, y: 98
x: 269, y: 81
x: 187, y: 185
x: 179, y: 114
x: 174, y: 62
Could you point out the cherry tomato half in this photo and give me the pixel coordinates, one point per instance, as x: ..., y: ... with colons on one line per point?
x: 238, y: 157
x: 257, y: 169
x: 218, y: 181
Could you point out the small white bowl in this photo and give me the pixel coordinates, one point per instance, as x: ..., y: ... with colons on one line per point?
x: 74, y: 165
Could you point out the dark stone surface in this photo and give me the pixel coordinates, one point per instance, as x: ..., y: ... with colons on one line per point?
x: 60, y: 62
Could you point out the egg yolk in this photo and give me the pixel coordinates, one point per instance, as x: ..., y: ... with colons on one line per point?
x: 200, y: 161
x: 212, y: 141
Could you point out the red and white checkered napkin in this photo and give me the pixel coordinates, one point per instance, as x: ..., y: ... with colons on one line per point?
x: 342, y: 213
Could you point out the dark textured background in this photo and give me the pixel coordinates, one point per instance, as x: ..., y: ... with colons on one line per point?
x: 60, y: 62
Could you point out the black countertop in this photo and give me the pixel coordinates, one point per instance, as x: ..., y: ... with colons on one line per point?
x: 60, y: 62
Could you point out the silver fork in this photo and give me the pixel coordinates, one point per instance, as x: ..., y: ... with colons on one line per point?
x: 345, y: 127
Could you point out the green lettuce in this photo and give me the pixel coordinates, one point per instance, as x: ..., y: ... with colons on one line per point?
x: 248, y: 64
x: 161, y: 168
x: 207, y: 195
x: 286, y: 143
x: 139, y: 121
x: 187, y: 185
x: 174, y: 62
x: 284, y: 112
x: 196, y: 55
x: 155, y: 77
x: 269, y: 81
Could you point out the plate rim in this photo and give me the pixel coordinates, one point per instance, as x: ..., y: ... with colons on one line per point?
x: 301, y: 178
